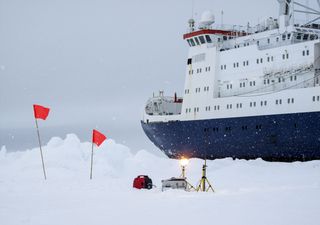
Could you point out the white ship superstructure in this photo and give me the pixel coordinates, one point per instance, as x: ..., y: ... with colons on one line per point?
x: 242, y: 72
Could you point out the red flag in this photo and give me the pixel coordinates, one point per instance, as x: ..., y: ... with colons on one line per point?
x: 98, y: 137
x: 40, y: 112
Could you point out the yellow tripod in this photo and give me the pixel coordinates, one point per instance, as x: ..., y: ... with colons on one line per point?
x: 204, y: 182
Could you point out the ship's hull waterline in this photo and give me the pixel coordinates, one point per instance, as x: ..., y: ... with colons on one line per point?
x: 285, y: 137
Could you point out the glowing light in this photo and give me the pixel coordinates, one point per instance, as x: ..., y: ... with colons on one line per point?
x: 184, y: 161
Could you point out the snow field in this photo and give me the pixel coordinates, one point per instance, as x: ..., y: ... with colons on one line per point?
x: 247, y: 192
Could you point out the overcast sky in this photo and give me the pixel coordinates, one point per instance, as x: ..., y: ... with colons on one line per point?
x: 96, y: 62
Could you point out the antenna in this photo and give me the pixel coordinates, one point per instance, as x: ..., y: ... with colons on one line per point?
x: 192, y: 8
x: 222, y: 17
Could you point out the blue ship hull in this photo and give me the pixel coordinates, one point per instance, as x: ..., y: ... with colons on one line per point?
x: 285, y: 137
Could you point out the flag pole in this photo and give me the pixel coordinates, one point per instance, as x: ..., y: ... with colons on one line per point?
x: 91, y: 161
x: 44, y: 170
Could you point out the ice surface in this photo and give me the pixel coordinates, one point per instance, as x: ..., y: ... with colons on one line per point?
x: 247, y: 192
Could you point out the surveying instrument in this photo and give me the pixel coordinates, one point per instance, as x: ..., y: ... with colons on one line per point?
x: 204, y: 183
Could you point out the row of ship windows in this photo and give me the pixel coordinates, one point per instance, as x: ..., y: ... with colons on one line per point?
x: 199, y: 40
x: 199, y: 70
x: 197, y: 90
x: 243, y: 128
x: 260, y: 60
x: 252, y: 104
x: 265, y: 82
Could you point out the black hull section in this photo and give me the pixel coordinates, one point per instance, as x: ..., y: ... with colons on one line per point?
x: 286, y: 137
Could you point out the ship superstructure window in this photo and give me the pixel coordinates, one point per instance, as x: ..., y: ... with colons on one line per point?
x: 216, y: 107
x: 305, y: 52
x: 197, y: 41
x: 239, y: 105
x: 189, y: 62
x: 242, y: 84
x: 197, y: 90
x: 229, y: 106
x: 206, y: 88
x: 253, y: 104
x: 208, y: 108
x: 201, y: 38
x: 208, y: 39
x: 196, y: 109
x: 314, y: 98
x: 187, y: 91
x: 229, y: 86
x: 263, y: 103
x: 252, y: 83
x: 208, y: 69
x: 278, y: 101
x: 290, y: 100
x: 191, y: 41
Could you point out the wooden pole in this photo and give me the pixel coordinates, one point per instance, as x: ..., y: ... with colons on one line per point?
x: 91, y: 161
x: 44, y: 170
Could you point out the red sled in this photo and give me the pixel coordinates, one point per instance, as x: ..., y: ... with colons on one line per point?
x: 142, y: 182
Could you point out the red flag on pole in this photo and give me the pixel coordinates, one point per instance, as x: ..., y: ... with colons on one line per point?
x: 40, y: 112
x: 98, y: 137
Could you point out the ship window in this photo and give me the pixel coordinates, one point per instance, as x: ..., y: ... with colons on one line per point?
x: 192, y: 42
x: 257, y: 61
x: 261, y: 60
x: 202, y: 40
x: 318, y: 98
x: 283, y: 56
x: 221, y: 67
x: 299, y: 37
x: 303, y: 53
x: 189, y: 61
x: 283, y: 37
x: 208, y: 39
x: 292, y: 100
x: 314, y: 98
x: 280, y: 101
x: 268, y: 59
x: 307, y: 52
x: 277, y: 102
x: 268, y: 40
x: 305, y: 37
x: 295, y: 77
x: 272, y: 58
x: 225, y: 67
x: 197, y: 41
x: 225, y: 38
x: 189, y: 42
x: 277, y: 39
x: 247, y: 63
x: 289, y: 36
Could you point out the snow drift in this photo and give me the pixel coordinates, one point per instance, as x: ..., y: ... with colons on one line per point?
x: 247, y: 192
